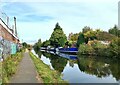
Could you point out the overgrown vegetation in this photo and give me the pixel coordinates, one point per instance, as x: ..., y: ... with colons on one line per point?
x: 48, y: 76
x: 115, y: 31
x: 9, y: 66
x: 96, y: 48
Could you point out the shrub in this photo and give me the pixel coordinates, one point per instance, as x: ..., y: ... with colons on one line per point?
x: 114, y: 48
x: 85, y: 49
x: 94, y: 48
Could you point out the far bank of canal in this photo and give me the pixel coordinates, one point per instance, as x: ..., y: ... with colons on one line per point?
x: 84, y: 69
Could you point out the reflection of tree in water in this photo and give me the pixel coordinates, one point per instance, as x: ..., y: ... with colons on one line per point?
x: 47, y: 55
x: 101, y: 67
x: 38, y: 53
x: 72, y: 62
x: 58, y: 63
x: 115, y: 69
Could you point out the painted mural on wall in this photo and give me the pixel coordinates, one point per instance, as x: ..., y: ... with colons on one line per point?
x: 1, y: 48
x: 7, y: 47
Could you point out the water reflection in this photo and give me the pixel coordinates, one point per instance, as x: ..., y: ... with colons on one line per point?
x: 100, y: 67
x: 83, y: 69
x: 58, y: 63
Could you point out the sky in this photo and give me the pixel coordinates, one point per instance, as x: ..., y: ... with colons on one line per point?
x: 37, y: 18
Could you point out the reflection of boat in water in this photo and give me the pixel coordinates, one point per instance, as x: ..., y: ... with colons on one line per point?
x: 68, y: 56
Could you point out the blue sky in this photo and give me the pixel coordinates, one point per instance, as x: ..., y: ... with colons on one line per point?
x: 36, y: 19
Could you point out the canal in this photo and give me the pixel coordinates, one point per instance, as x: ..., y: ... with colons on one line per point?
x: 84, y: 69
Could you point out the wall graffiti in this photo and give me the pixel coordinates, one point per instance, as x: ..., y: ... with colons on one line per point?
x: 1, y: 47
x: 7, y: 47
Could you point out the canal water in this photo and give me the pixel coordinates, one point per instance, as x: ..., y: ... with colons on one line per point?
x: 84, y: 69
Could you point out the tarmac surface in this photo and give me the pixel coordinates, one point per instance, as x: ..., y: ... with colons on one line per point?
x: 26, y: 72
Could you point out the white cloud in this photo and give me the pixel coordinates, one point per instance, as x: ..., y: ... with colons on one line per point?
x: 71, y: 16
x: 93, y: 1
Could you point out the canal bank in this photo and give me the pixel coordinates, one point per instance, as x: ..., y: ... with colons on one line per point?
x: 86, y: 69
x: 48, y: 75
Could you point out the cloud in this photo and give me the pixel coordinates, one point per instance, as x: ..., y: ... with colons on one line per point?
x: 37, y: 19
x: 92, y: 1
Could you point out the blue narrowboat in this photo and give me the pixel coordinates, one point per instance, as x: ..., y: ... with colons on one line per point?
x: 68, y: 50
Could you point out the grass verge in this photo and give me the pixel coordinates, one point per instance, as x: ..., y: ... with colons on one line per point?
x: 48, y: 76
x: 9, y: 66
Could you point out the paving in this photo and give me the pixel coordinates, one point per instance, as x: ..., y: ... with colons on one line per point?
x: 26, y: 72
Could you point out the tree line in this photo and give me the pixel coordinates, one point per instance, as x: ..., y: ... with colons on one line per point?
x: 88, y: 41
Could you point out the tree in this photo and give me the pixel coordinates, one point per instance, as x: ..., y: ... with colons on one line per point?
x: 115, y: 31
x: 114, y: 48
x: 90, y: 34
x: 81, y: 39
x: 46, y: 43
x: 86, y: 29
x: 24, y: 44
x: 74, y: 37
x: 58, y: 38
x: 105, y: 36
x: 37, y: 45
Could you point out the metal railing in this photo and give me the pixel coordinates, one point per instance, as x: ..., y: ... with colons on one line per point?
x: 5, y: 18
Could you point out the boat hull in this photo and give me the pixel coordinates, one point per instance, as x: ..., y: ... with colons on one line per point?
x: 69, y: 50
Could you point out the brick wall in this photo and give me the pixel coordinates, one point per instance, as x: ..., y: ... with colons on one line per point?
x: 7, y: 35
x: 8, y: 41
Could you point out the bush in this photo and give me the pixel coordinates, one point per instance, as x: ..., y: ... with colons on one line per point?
x: 86, y: 49
x: 94, y: 48
x: 114, y: 48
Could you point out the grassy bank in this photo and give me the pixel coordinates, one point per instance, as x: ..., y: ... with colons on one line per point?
x: 9, y: 66
x: 47, y: 75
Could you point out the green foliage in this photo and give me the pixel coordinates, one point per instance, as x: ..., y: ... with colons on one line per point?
x: 80, y: 40
x: 9, y: 66
x: 114, y: 48
x: 93, y: 48
x: 115, y: 31
x: 105, y: 36
x: 74, y: 37
x: 45, y: 43
x: 24, y: 44
x: 37, y: 45
x: 58, y: 38
x: 85, y: 49
x: 86, y: 29
x: 97, y: 48
x: 91, y: 35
